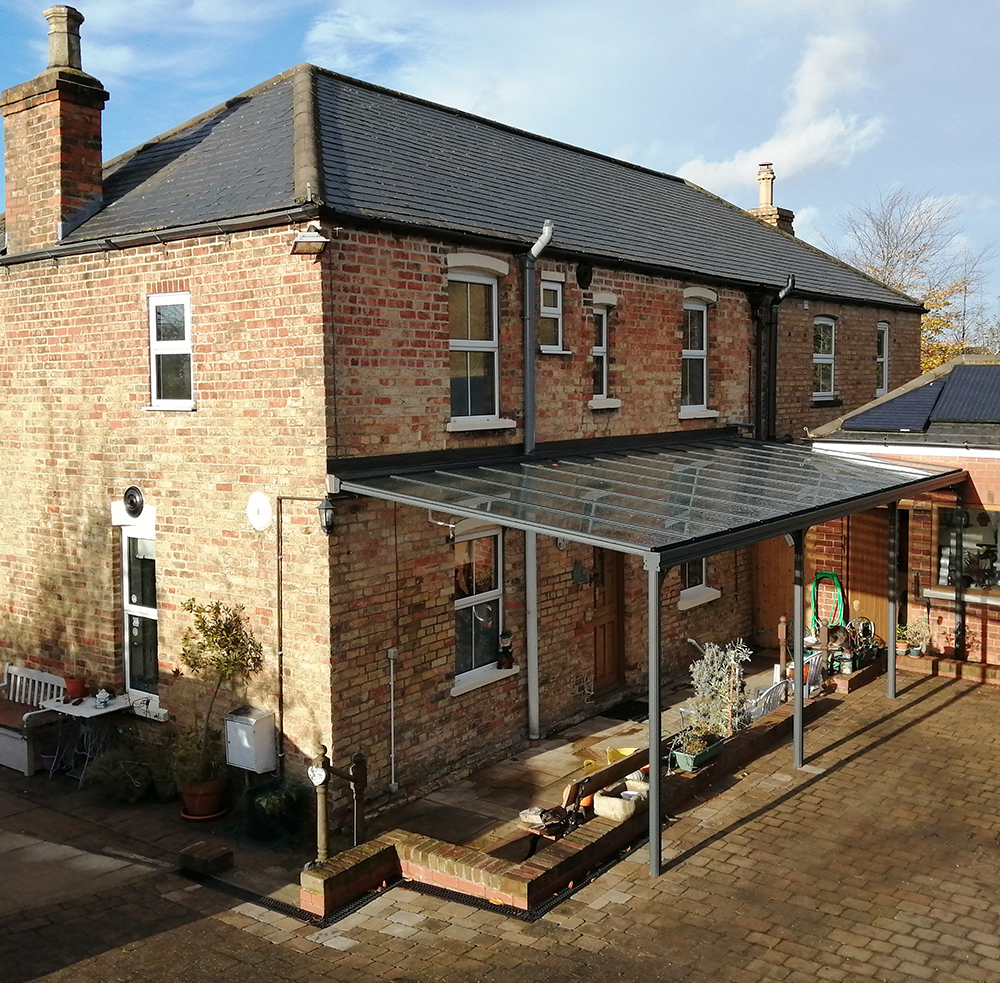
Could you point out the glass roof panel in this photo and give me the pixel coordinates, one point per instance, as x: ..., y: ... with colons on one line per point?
x: 662, y: 498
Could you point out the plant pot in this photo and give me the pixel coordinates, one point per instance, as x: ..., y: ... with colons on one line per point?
x: 692, y: 762
x: 914, y: 650
x: 611, y: 803
x: 75, y: 688
x: 164, y: 790
x: 203, y: 800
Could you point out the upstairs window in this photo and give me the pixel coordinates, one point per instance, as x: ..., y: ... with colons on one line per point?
x: 824, y: 329
x: 599, y: 353
x: 472, y: 314
x: 550, y: 320
x: 881, y: 358
x: 478, y: 600
x: 694, y: 357
x: 170, y: 352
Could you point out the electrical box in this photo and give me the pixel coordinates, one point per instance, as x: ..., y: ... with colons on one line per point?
x: 250, y: 740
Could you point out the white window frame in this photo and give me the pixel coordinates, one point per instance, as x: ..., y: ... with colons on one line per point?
x: 602, y: 316
x: 481, y: 675
x: 826, y: 358
x: 146, y: 700
x: 696, y: 593
x: 156, y: 348
x: 552, y: 313
x: 697, y: 354
x: 882, y: 361
x: 470, y: 345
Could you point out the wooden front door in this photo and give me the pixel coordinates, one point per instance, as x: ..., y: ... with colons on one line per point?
x: 607, y: 623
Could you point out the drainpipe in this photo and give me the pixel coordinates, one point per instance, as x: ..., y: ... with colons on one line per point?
x: 764, y: 305
x: 529, y: 334
x: 531, y: 538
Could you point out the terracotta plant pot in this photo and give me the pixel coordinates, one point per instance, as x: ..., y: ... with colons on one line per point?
x: 203, y: 799
x: 75, y: 688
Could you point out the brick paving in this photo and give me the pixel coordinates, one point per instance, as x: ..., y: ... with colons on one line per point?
x: 879, y: 862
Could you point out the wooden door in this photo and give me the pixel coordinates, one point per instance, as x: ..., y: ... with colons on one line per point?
x: 775, y: 573
x: 607, y: 622
x: 867, y: 584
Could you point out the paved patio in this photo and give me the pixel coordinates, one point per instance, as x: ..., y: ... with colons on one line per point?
x: 878, y: 862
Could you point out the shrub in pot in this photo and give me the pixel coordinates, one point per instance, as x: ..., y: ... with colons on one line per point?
x: 918, y: 636
x: 220, y: 648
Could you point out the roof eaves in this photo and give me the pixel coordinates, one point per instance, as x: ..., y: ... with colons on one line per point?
x: 225, y: 226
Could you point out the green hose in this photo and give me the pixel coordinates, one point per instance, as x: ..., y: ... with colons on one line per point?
x: 837, y: 614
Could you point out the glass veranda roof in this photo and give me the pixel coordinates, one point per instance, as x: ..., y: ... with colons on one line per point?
x: 682, y: 498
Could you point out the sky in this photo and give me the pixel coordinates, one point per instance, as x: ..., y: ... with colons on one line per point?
x: 847, y: 98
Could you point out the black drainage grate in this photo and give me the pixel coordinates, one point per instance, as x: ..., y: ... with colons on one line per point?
x: 244, y: 894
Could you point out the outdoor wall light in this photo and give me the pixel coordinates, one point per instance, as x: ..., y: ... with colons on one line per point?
x: 309, y: 242
x: 326, y: 511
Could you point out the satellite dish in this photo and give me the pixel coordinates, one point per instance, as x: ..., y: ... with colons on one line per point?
x: 259, y: 511
x: 133, y: 501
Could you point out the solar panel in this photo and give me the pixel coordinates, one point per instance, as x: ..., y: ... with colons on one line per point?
x: 971, y: 395
x: 908, y: 412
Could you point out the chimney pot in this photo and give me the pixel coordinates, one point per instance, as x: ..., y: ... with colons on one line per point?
x: 64, y: 37
x: 765, y: 181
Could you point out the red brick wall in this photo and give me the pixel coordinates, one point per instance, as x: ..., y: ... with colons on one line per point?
x: 75, y: 375
x: 389, y: 350
x: 854, y: 366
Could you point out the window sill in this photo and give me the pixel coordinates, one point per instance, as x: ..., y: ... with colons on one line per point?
x: 695, y: 596
x: 832, y: 400
x: 971, y: 596
x: 464, y: 423
x: 145, y: 705
x: 604, y: 403
x: 543, y: 350
x: 697, y: 413
x: 186, y: 408
x: 483, y: 676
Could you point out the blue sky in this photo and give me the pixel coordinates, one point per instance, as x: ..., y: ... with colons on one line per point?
x: 844, y: 96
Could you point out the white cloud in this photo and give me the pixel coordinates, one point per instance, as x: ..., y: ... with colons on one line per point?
x: 810, y: 133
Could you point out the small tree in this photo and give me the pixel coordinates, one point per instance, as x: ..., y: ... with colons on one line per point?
x: 220, y: 647
x: 719, y: 703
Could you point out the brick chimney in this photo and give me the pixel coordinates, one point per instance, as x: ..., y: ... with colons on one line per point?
x: 52, y: 140
x: 780, y: 218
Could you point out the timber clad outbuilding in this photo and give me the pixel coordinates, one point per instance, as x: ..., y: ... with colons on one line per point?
x: 322, y: 271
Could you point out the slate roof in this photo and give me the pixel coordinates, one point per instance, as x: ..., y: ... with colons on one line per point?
x: 377, y: 154
x: 956, y: 404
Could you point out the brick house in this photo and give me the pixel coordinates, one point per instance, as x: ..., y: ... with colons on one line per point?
x: 319, y: 287
x: 949, y: 576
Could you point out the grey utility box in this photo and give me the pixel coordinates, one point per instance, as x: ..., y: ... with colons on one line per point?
x: 250, y: 740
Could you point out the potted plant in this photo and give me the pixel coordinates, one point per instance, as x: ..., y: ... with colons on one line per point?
x: 918, y: 636
x: 220, y: 647
x: 696, y: 747
x: 719, y: 703
x: 719, y: 707
x: 901, y: 641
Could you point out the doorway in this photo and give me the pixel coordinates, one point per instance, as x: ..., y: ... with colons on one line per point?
x: 607, y: 623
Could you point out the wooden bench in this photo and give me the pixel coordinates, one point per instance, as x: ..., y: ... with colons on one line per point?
x: 21, y: 694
